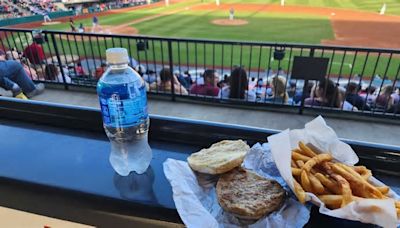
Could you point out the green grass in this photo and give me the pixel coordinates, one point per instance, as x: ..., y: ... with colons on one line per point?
x: 393, y: 6
x: 268, y: 27
x: 272, y: 27
x: 122, y: 18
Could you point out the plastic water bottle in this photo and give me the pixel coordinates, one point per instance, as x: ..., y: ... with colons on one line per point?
x: 123, y: 102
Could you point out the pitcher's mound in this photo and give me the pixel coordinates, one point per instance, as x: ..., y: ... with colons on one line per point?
x: 227, y: 22
x: 51, y: 23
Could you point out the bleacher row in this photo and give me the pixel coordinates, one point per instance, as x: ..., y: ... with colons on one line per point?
x: 269, y: 85
x: 275, y: 87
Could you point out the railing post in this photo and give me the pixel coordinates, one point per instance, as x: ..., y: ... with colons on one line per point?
x: 59, y: 60
x: 171, y: 68
x: 303, y: 97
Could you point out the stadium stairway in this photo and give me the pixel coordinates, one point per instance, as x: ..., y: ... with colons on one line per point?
x: 359, y: 130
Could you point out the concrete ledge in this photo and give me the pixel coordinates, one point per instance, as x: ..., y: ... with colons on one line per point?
x: 360, y: 129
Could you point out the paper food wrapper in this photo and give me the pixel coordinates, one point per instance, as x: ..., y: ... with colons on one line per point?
x: 316, y: 132
x: 196, y: 199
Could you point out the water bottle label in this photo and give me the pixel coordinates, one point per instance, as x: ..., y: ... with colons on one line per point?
x: 118, y: 112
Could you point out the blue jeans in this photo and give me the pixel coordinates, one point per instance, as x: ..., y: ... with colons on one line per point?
x: 12, y: 72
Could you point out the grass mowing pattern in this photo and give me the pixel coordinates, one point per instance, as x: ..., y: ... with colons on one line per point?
x: 393, y: 6
x: 272, y: 27
x: 262, y: 27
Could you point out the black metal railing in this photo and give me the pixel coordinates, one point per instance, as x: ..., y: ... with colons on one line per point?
x: 361, y: 80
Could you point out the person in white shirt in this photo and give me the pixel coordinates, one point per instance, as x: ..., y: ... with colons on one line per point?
x: 52, y: 73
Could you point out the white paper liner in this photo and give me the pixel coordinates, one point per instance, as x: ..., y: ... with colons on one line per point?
x: 316, y: 132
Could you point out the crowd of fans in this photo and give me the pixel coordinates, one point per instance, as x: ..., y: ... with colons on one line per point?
x: 10, y: 10
x: 239, y: 86
x: 21, y: 8
x: 39, y: 7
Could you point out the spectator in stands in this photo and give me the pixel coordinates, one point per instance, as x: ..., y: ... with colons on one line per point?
x: 260, y: 90
x: 297, y: 97
x: 100, y: 71
x: 292, y: 89
x: 252, y: 83
x: 52, y: 73
x: 102, y: 7
x: 324, y: 94
x: 35, y: 53
x: 385, y: 100
x: 238, y: 86
x: 79, y: 70
x: 149, y: 76
x: 279, y: 94
x: 14, y: 78
x: 72, y: 24
x: 13, y: 55
x: 354, y: 98
x: 224, y: 82
x: 183, y: 79
x: 370, y: 95
x: 165, y: 85
x: 209, y: 88
x: 345, y: 105
x: 396, y: 96
x: 29, y: 70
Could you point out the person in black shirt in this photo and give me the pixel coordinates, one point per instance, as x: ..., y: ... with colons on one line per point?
x: 354, y: 98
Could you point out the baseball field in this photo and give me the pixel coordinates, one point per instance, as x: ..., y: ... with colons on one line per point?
x: 343, y: 22
x: 334, y: 22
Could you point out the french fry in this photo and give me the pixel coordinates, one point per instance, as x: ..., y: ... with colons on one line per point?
x: 331, y: 185
x: 327, y: 192
x: 305, y: 182
x: 306, y: 150
x: 297, y: 156
x: 296, y: 172
x: 300, y: 163
x: 293, y: 164
x: 297, y: 150
x: 299, y: 192
x: 367, y: 175
x: 334, y: 201
x: 331, y: 201
x: 383, y: 189
x: 316, y: 184
x: 361, y: 186
x: 334, y: 183
x: 343, y: 183
x: 346, y: 190
x: 359, y: 168
x: 316, y: 160
x: 363, y: 171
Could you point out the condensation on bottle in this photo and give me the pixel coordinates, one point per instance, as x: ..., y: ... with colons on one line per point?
x: 123, y: 102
